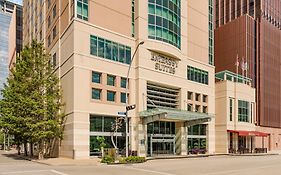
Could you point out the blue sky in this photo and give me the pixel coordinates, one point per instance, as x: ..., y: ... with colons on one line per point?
x: 17, y: 1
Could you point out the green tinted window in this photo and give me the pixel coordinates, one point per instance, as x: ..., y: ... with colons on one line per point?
x: 82, y: 9
x: 164, y: 21
x: 96, y: 77
x: 110, y: 50
x: 197, y: 75
x: 96, y: 94
x: 123, y: 82
x: 111, y: 96
x: 111, y: 80
x: 123, y: 97
x: 243, y: 111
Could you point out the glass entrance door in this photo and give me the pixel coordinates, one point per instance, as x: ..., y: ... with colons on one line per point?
x: 159, y: 145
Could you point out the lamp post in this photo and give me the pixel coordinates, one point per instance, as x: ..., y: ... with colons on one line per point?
x: 126, y: 93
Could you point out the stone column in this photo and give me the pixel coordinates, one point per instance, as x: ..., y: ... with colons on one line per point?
x: 181, y: 143
x: 142, y: 136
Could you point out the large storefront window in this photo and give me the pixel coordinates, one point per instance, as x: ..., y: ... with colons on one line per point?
x: 197, y: 139
x: 103, y: 126
x: 164, y: 21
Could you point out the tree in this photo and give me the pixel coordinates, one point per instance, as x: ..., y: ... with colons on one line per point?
x: 31, y: 108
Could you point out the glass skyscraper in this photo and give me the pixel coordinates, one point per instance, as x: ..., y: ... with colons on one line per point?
x: 4, y: 33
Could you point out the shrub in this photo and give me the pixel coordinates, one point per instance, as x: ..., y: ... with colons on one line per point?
x: 134, y: 159
x: 107, y: 159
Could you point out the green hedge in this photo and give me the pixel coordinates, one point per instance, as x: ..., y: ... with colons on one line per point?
x: 134, y: 159
x: 107, y: 159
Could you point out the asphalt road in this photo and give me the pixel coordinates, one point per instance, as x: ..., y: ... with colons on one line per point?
x: 218, y: 165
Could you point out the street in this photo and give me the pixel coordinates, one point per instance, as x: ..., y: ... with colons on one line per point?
x: 217, y: 165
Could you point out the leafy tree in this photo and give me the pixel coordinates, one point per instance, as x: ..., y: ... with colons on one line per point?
x: 31, y: 108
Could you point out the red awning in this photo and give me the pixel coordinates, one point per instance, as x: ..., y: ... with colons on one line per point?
x: 249, y: 133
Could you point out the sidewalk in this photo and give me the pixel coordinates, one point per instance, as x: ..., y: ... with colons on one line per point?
x: 61, y: 161
x: 68, y: 162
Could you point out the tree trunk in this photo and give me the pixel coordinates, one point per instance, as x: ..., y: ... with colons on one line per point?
x: 18, y: 148
x: 25, y: 149
x: 31, y: 150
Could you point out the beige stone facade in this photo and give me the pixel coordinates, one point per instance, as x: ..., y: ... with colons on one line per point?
x: 235, y: 126
x: 70, y: 48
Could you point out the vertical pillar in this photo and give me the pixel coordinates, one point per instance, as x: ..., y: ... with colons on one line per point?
x: 235, y: 141
x: 142, y: 136
x: 181, y: 143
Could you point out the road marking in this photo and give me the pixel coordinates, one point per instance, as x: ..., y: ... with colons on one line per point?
x: 239, y: 170
x: 17, y: 172
x: 149, y: 171
x: 57, y: 172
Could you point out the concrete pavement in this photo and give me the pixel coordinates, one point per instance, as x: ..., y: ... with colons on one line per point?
x: 215, y: 165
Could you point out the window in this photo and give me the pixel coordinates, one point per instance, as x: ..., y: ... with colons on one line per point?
x: 197, y: 97
x: 49, y: 40
x: 41, y: 18
x: 197, y: 75
x: 211, y: 33
x: 110, y: 50
x: 104, y: 124
x: 49, y: 21
x: 205, y: 98
x: 197, y: 130
x: 197, y: 108
x: 205, y: 109
x: 189, y: 107
x: 54, y: 32
x: 123, y: 97
x: 96, y: 77
x: 111, y: 96
x: 243, y: 111
x: 161, y: 127
x: 164, y: 21
x: 54, y: 11
x: 190, y: 95
x: 197, y: 137
x: 230, y: 109
x: 123, y: 82
x: 82, y: 9
x: 49, y: 3
x: 54, y: 60
x: 111, y: 80
x: 96, y: 94
x: 133, y: 18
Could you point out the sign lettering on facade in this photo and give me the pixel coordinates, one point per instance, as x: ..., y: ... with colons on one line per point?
x: 164, y: 64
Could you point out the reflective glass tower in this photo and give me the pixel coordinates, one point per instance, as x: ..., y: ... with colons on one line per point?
x: 4, y: 30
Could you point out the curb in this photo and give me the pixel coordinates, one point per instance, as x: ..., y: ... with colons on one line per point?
x: 245, y: 155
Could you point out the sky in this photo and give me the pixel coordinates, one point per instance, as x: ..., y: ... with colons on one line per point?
x: 16, y: 1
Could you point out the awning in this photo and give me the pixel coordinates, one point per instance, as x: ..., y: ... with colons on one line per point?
x: 190, y: 118
x: 249, y: 133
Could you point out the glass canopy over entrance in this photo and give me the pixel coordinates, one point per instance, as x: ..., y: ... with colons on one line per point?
x: 161, y: 128
x: 176, y: 115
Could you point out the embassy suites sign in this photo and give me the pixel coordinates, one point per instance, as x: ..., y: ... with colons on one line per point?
x: 164, y: 64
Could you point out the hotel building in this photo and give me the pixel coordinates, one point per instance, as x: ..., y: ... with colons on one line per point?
x: 249, y: 32
x: 171, y: 82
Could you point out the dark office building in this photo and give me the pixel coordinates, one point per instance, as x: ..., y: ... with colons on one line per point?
x: 251, y: 29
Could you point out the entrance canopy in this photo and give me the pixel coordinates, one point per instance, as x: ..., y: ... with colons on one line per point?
x: 249, y: 133
x: 190, y: 118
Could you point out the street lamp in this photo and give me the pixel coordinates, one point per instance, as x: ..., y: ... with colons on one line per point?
x: 126, y: 93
